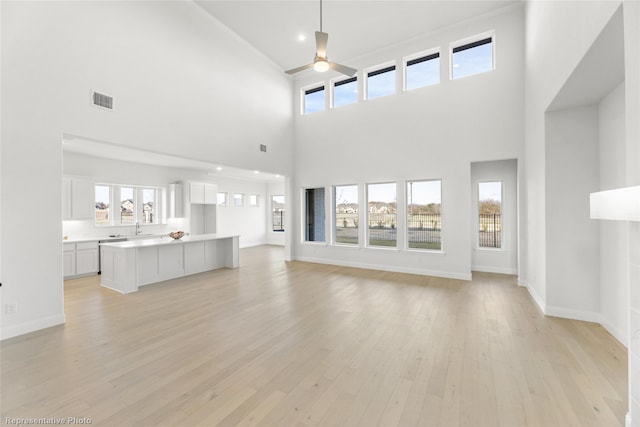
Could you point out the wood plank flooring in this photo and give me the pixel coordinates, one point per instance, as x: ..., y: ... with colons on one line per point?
x: 297, y: 344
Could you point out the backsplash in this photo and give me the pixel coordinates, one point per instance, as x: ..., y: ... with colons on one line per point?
x: 87, y: 229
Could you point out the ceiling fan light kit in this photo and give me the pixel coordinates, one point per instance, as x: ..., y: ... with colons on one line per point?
x: 321, y: 62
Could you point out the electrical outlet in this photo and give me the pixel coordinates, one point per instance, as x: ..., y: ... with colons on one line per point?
x: 12, y: 308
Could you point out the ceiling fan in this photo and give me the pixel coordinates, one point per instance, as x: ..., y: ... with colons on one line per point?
x: 321, y: 62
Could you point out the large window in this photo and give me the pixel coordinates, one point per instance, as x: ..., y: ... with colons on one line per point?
x: 472, y: 58
x: 136, y: 205
x: 314, y: 100
x: 424, y: 224
x: 277, y: 213
x: 314, y: 215
x: 382, y: 214
x: 346, y: 214
x: 490, y: 214
x: 381, y: 82
x: 345, y: 92
x: 422, y: 71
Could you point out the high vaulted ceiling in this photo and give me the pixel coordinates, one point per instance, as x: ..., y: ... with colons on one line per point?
x: 355, y: 28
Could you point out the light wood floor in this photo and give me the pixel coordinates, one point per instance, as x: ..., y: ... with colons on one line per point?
x: 284, y: 344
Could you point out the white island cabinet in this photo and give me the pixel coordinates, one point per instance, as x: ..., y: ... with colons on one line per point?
x: 128, y: 265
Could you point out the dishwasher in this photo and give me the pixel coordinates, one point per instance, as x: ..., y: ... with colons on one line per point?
x: 110, y: 240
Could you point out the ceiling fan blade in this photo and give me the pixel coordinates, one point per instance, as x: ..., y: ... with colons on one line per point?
x: 347, y: 71
x: 321, y: 44
x: 297, y: 70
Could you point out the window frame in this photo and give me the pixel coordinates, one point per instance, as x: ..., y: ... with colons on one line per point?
x: 115, y: 215
x: 309, y: 89
x: 334, y: 220
x: 469, y: 41
x: 377, y: 70
x: 368, y: 217
x: 257, y: 200
x: 426, y: 55
x: 281, y: 230
x: 407, y: 201
x: 236, y: 198
x: 340, y: 81
x: 304, y: 222
x: 225, y: 203
x: 477, y: 222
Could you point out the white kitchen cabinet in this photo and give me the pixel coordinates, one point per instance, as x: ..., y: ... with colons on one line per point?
x: 80, y: 259
x: 69, y: 259
x: 87, y: 258
x: 176, y: 200
x: 77, y: 196
x: 203, y: 193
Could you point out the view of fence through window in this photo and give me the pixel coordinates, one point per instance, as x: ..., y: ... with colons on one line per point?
x: 346, y: 218
x: 490, y: 214
x: 382, y: 214
x: 424, y: 223
x: 277, y: 212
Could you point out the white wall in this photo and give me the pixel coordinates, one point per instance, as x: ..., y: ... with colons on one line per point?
x: 505, y: 259
x: 182, y: 84
x: 432, y: 132
x: 632, y: 127
x: 572, y: 238
x: 613, y: 242
x: 548, y: 65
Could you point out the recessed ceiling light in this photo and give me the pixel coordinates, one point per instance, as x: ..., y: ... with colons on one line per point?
x: 219, y: 168
x: 302, y: 37
x: 256, y: 172
x: 277, y: 175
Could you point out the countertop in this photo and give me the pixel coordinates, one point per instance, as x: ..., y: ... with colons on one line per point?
x: 144, y: 243
x: 106, y: 238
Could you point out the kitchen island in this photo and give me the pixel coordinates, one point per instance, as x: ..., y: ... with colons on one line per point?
x: 130, y: 264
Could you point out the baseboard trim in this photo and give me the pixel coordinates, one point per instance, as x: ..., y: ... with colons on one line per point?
x: 617, y: 333
x: 32, y: 326
x: 627, y: 420
x: 394, y: 269
x: 497, y: 270
x: 536, y: 298
x: 568, y: 313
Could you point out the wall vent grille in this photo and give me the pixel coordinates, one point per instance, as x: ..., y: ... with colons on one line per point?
x: 101, y: 100
x: 263, y: 148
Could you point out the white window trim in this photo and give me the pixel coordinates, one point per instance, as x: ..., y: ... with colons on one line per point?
x: 226, y: 199
x: 115, y: 215
x: 309, y: 87
x: 332, y: 86
x: 395, y: 248
x: 242, y: 196
x: 257, y: 196
x: 303, y: 216
x: 334, y: 222
x: 365, y: 79
x: 442, y: 218
x: 416, y: 56
x: 487, y: 34
x: 477, y: 225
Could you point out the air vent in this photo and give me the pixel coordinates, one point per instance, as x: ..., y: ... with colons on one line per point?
x: 263, y: 148
x: 101, y: 100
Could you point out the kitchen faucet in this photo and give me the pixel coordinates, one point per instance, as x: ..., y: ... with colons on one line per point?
x: 138, y: 229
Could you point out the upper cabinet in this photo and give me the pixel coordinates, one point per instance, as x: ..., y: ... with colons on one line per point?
x: 77, y: 196
x: 203, y: 193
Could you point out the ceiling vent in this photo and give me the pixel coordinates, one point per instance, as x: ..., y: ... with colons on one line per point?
x: 101, y: 100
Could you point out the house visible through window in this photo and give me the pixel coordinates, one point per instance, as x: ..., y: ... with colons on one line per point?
x: 345, y: 92
x: 422, y: 71
x: 346, y: 217
x: 382, y: 214
x: 424, y: 223
x: 472, y: 58
x: 490, y: 214
x: 126, y: 206
x: 381, y: 82
x: 103, y: 203
x: 314, y: 100
x: 277, y: 213
x: 314, y: 215
x: 136, y: 205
